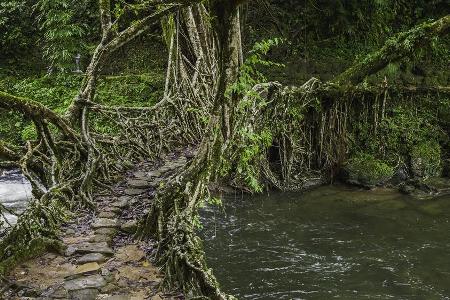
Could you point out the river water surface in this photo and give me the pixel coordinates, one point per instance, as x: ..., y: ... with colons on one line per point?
x: 334, y: 242
x: 15, y: 192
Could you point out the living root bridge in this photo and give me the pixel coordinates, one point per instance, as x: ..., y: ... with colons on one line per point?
x: 310, y: 124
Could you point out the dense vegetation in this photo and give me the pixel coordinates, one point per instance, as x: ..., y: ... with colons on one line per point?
x: 367, y: 102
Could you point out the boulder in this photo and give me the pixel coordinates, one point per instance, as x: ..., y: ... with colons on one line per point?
x: 367, y: 171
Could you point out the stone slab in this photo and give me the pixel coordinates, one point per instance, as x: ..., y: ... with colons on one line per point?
x: 91, y: 257
x: 105, y: 223
x: 101, y: 247
x: 93, y: 281
x: 138, y: 183
x: 134, y: 192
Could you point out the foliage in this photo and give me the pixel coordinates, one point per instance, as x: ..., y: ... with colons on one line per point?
x: 426, y: 159
x: 404, y: 128
x: 62, y: 32
x: 365, y: 169
x: 57, y: 92
x: 16, y: 28
x: 252, y: 142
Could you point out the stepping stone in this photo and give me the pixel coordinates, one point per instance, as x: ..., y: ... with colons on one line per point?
x: 134, y: 192
x: 88, y: 282
x: 107, y: 214
x: 103, y: 222
x: 165, y: 169
x: 138, y: 183
x: 106, y: 231
x: 85, y: 294
x: 109, y: 288
x: 119, y: 297
x: 140, y: 174
x: 86, y: 268
x: 122, y: 202
x: 101, y: 247
x: 59, y: 293
x: 91, y: 257
x: 101, y: 238
x: 156, y: 173
x: 129, y: 226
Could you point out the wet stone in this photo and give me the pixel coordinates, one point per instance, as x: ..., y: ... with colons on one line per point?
x: 57, y: 293
x: 85, y: 294
x: 138, y: 183
x: 108, y: 231
x: 103, y: 222
x: 101, y: 238
x: 107, y: 214
x: 91, y: 257
x: 122, y: 202
x: 101, y: 247
x: 89, y: 282
x: 156, y: 173
x: 140, y: 174
x: 134, y: 192
x: 87, y: 268
x: 109, y: 288
x: 119, y: 297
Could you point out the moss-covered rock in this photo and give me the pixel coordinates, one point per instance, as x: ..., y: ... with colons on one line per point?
x: 426, y: 160
x: 365, y: 170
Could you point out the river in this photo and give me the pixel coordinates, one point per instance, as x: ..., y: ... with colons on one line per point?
x: 332, y: 242
x: 15, y: 192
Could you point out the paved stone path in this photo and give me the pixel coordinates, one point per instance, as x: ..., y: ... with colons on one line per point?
x: 102, y: 261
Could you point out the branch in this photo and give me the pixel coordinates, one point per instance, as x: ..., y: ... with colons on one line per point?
x: 402, y: 45
x: 36, y: 111
x: 105, y: 16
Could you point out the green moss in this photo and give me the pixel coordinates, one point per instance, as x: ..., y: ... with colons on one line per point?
x: 365, y: 169
x: 426, y: 159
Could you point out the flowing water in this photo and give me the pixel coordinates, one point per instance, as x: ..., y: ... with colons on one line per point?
x: 334, y: 242
x: 15, y: 192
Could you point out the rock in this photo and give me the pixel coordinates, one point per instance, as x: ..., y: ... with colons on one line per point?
x: 140, y: 174
x: 129, y: 226
x: 165, y: 168
x: 155, y: 173
x: 407, y: 189
x: 400, y: 175
x: 91, y: 257
x: 119, y: 297
x: 103, y: 222
x: 107, y: 214
x: 109, y: 288
x: 59, y: 293
x: 130, y: 253
x: 366, y: 171
x: 87, y: 268
x: 101, y: 247
x: 138, y: 183
x: 313, y: 182
x: 98, y: 238
x: 85, y: 294
x: 134, y: 192
x: 93, y: 281
x: 122, y: 202
x: 108, y: 231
